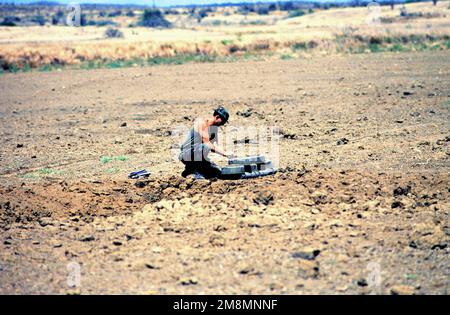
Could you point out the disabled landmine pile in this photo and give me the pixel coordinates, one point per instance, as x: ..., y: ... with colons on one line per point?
x: 248, y: 167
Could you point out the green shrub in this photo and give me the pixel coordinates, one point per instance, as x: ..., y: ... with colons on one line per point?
x: 39, y: 19
x: 10, y: 21
x: 286, y: 57
x: 296, y: 13
x: 58, y: 18
x: 397, y: 48
x: 105, y: 159
x: 299, y: 46
x: 83, y: 20
x: 115, y: 13
x: 113, y: 33
x: 257, y: 22
x: 226, y: 42
x: 121, y: 158
x: 13, y: 68
x: 153, y: 18
x: 48, y: 171
x: 374, y: 48
x: 262, y: 10
x: 113, y: 170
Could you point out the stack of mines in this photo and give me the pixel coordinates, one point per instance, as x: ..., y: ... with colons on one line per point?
x: 249, y: 167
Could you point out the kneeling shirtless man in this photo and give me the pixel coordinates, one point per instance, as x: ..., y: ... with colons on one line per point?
x: 200, y: 141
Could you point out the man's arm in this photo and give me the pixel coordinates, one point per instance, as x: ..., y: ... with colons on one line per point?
x: 207, y: 141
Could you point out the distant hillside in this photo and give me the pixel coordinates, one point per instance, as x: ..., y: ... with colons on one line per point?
x: 213, y: 3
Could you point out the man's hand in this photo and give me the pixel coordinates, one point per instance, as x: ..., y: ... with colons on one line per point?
x: 229, y: 155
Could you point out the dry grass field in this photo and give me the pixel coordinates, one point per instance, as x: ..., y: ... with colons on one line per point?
x: 322, y: 32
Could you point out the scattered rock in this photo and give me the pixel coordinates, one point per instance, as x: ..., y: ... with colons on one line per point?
x: 362, y: 282
x: 217, y: 240
x: 287, y: 169
x: 246, y: 113
x: 157, y: 249
x: 443, y: 141
x: 141, y: 184
x: 220, y: 228
x: 319, y: 197
x: 246, y: 140
x: 44, y: 221
x: 307, y: 253
x: 302, y: 172
x: 88, y: 238
x: 288, y: 135
x: 397, y: 204
x: 246, y: 270
x: 342, y: 288
x: 152, y: 266
x: 164, y: 205
x: 124, y: 124
x: 332, y: 130
x: 334, y: 223
x: 399, y: 191
x: 342, y: 141
x: 402, y: 290
x: 152, y: 197
x: 264, y: 198
x: 189, y: 281
x: 250, y: 271
x: 439, y: 246
x: 74, y: 292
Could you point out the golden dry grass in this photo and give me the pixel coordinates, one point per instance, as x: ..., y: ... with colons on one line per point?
x: 35, y: 46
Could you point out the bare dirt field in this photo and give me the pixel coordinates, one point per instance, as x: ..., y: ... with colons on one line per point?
x: 359, y: 206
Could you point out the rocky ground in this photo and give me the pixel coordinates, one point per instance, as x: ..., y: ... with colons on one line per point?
x: 360, y: 205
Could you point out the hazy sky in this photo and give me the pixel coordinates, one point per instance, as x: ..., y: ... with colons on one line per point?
x: 149, y: 2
